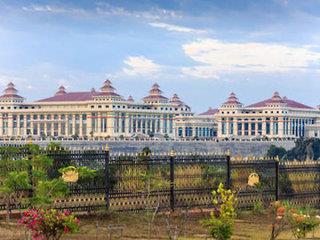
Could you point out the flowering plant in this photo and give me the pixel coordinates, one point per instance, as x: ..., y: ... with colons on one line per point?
x: 300, y: 221
x: 49, y: 224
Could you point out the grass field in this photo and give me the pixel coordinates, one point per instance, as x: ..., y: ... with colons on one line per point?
x: 136, y: 226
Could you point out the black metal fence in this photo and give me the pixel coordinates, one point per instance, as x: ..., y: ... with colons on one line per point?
x: 176, y: 180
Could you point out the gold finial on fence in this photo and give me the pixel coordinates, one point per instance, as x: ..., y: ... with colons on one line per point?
x: 277, y: 158
x: 106, y: 148
x: 228, y: 152
x: 172, y: 153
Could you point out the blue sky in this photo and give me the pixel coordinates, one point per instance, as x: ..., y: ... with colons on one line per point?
x: 200, y: 49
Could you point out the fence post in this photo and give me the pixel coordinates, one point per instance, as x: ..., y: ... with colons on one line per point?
x: 228, y: 155
x: 172, y: 198
x: 107, y: 176
x: 277, y: 177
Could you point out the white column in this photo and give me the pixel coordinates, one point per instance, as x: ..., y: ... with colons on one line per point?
x: 89, y: 124
x: 59, y: 125
x: 80, y: 125
x: 25, y: 124
x: 10, y: 124
x: 73, y: 124
x: 31, y: 125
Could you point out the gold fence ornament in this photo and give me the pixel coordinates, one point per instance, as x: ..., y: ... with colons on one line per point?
x: 70, y: 176
x: 253, y: 179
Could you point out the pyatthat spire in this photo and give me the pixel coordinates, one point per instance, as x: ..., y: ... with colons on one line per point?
x: 176, y: 100
x: 10, y: 93
x: 155, y: 95
x: 130, y: 99
x: 276, y: 97
x: 61, y: 91
x: 107, y: 87
x: 232, y: 101
x: 155, y: 90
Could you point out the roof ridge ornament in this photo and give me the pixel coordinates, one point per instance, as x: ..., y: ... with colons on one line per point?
x: 61, y: 91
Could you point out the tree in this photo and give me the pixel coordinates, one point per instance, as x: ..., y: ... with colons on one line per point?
x: 303, y: 148
x: 274, y: 151
x: 27, y: 170
x: 27, y: 174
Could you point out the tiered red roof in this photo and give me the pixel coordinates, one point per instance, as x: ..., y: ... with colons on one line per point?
x: 210, y: 111
x: 176, y: 100
x: 107, y: 89
x: 232, y: 99
x: 10, y: 92
x: 277, y: 99
x: 61, y: 91
x: 130, y: 99
x: 155, y: 93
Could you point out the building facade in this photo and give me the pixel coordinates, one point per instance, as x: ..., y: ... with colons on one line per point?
x: 274, y: 118
x: 95, y: 114
x: 106, y: 114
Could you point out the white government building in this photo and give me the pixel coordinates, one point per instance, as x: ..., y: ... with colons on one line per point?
x: 105, y: 114
x: 100, y: 115
x: 274, y: 118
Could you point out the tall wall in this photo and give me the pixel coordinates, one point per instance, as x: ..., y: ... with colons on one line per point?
x: 242, y: 148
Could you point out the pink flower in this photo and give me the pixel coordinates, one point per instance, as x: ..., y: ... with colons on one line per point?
x: 67, y: 212
x: 66, y: 229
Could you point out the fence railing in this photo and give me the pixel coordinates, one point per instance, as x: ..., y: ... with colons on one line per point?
x: 177, y: 180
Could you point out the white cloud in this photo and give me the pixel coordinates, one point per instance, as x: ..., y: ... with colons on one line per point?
x: 200, y: 72
x: 102, y: 9
x: 139, y: 65
x: 216, y: 56
x: 175, y: 28
x: 43, y: 8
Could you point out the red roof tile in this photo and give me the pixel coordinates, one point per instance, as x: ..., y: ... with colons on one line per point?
x: 70, y: 97
x: 277, y: 99
x: 210, y: 111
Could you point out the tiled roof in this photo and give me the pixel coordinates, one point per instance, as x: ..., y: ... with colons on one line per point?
x: 210, y: 111
x: 154, y: 97
x: 10, y: 96
x: 70, y: 97
x: 287, y: 102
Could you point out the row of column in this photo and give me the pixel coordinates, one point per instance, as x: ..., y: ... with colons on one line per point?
x: 274, y: 127
x: 265, y: 127
x: 96, y: 124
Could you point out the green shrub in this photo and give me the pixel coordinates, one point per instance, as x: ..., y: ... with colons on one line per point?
x: 221, y: 222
